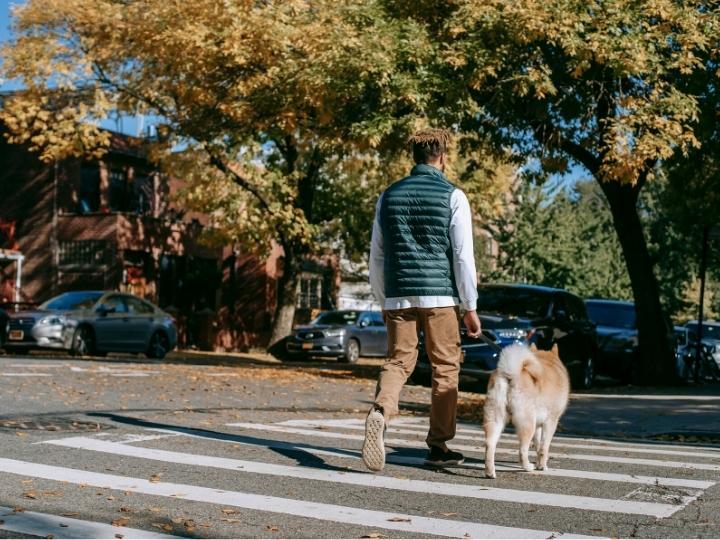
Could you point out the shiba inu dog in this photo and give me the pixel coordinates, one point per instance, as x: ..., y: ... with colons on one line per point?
x: 529, y: 388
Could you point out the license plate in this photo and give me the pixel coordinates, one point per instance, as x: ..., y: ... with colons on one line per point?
x: 307, y: 345
x: 16, y: 335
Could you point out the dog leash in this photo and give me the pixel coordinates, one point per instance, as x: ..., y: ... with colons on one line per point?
x: 487, y: 341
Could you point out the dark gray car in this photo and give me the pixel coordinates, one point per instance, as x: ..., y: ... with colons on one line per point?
x: 93, y: 322
x: 617, y: 337
x: 345, y: 335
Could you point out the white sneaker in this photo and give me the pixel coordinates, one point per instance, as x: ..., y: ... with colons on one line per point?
x: 373, y: 451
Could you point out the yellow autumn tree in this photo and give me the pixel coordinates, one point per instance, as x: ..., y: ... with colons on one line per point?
x: 285, y: 112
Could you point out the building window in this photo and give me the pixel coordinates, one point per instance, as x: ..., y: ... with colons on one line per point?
x: 89, y: 197
x: 118, y: 192
x: 142, y: 194
x: 310, y: 293
x: 89, y: 253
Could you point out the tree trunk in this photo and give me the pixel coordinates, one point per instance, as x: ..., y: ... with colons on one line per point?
x: 656, y: 360
x: 287, y: 289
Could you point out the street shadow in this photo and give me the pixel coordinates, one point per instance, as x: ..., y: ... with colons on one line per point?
x: 301, y: 453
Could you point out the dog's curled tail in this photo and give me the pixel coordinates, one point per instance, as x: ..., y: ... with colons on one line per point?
x: 515, y: 359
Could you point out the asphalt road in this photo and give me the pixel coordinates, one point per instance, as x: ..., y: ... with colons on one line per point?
x: 133, y: 449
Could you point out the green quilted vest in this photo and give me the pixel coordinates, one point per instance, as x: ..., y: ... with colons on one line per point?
x: 415, y: 219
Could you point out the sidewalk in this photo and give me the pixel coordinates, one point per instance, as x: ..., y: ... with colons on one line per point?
x: 688, y: 414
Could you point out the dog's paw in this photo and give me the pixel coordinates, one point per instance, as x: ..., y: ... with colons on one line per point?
x: 529, y: 467
x: 540, y: 467
x: 490, y: 474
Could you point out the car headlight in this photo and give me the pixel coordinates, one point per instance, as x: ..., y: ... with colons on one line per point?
x: 337, y: 332
x: 53, y: 320
x: 511, y: 333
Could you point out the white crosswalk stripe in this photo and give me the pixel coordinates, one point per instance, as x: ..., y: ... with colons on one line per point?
x: 50, y: 526
x: 557, y: 441
x: 419, y: 426
x: 253, y: 501
x: 478, y: 448
x: 416, y: 461
x: 387, y: 482
x: 612, y: 494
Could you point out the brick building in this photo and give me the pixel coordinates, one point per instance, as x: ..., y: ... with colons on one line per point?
x: 112, y: 224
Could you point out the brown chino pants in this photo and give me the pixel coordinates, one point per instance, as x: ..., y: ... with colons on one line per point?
x: 442, y: 342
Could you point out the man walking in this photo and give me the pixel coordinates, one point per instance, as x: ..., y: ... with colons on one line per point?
x: 422, y: 270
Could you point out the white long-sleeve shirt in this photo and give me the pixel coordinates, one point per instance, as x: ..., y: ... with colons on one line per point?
x: 461, y: 240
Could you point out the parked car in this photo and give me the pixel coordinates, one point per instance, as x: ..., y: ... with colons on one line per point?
x: 526, y: 314
x: 87, y: 323
x: 710, y: 365
x: 3, y: 326
x: 345, y: 335
x: 617, y: 333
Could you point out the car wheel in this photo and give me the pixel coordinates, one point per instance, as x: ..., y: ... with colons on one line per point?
x: 586, y: 377
x: 159, y: 346
x: 352, y: 351
x: 83, y: 342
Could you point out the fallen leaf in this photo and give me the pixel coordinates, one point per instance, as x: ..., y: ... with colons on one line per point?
x: 374, y: 535
x: 70, y: 514
x: 177, y: 521
x: 167, y: 527
x: 155, y: 477
x: 126, y: 509
x: 119, y: 536
x: 448, y: 514
x: 111, y: 498
x: 26, y: 481
x: 30, y: 495
x: 230, y: 520
x: 273, y: 528
x: 63, y: 525
x: 155, y: 509
x: 119, y: 522
x: 400, y: 519
x: 229, y: 511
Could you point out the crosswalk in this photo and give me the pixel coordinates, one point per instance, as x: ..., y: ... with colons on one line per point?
x: 602, y: 480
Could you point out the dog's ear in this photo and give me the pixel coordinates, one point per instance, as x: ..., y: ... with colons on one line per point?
x: 555, y: 349
x: 533, y: 347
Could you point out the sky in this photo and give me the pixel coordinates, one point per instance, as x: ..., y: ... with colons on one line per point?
x: 5, y: 30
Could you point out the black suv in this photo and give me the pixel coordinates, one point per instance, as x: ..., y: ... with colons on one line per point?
x: 527, y: 314
x: 617, y: 336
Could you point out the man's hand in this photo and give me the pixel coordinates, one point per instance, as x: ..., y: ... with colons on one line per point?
x: 472, y: 323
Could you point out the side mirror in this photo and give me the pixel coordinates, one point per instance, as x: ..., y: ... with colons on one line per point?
x: 363, y: 323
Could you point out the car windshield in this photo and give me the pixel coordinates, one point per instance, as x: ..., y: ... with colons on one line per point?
x: 710, y: 331
x: 613, y: 315
x: 71, y: 301
x: 345, y: 318
x: 512, y: 302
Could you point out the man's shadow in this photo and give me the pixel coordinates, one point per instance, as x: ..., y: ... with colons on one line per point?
x: 301, y: 453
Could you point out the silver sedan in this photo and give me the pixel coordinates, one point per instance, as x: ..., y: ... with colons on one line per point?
x: 88, y: 323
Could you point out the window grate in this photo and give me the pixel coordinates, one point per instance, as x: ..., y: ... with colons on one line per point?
x: 83, y: 253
